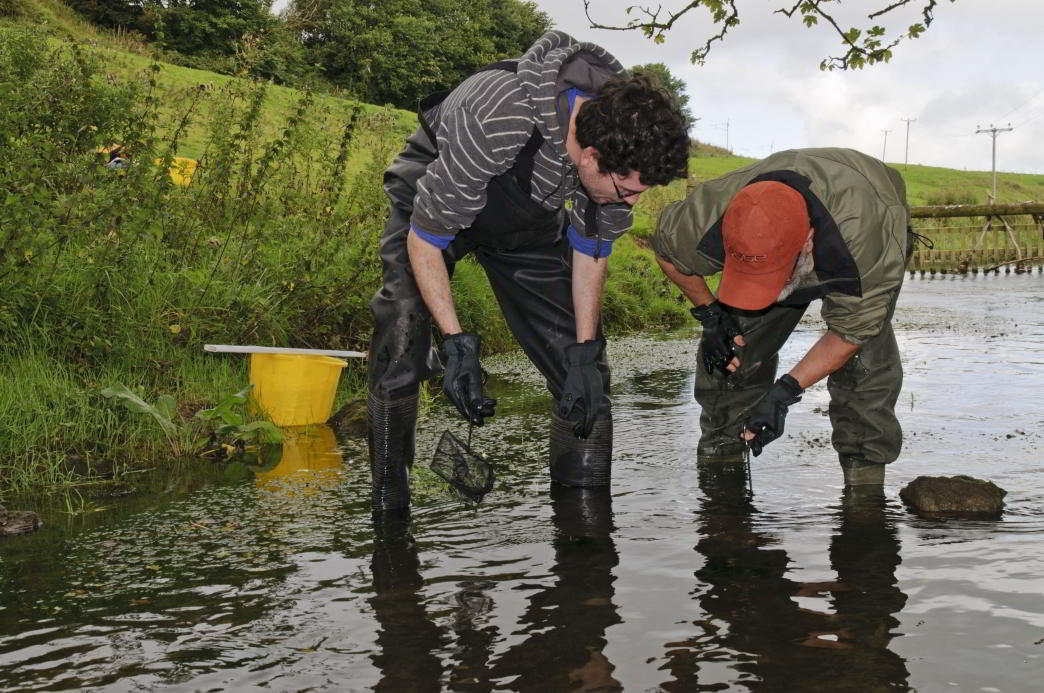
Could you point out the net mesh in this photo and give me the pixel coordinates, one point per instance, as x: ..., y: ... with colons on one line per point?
x: 465, y: 471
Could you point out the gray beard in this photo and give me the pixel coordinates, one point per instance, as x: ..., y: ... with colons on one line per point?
x: 804, y: 270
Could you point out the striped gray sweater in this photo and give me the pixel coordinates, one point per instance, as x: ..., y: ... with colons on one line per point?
x: 485, y: 122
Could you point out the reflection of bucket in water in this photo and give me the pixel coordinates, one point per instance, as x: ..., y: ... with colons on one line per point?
x: 309, y: 454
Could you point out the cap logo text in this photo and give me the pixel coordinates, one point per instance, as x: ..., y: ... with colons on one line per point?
x: 747, y: 258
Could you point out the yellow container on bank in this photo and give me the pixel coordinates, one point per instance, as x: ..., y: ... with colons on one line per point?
x: 292, y: 389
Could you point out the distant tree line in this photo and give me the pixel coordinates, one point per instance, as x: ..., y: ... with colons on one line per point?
x: 380, y: 51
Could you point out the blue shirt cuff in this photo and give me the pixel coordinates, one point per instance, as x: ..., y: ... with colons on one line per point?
x: 593, y: 247
x: 440, y: 242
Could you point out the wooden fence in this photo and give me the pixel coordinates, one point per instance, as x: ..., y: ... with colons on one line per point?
x: 973, y: 238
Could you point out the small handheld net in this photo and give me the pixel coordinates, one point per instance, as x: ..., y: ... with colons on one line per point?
x: 467, y: 473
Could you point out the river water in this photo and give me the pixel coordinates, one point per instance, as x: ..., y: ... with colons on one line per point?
x: 278, y: 580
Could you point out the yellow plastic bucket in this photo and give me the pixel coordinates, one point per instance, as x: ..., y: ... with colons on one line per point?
x: 294, y: 390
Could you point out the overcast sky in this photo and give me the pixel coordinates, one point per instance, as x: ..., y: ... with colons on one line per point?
x: 981, y: 62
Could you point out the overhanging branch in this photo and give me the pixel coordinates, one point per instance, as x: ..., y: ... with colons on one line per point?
x: 863, y: 47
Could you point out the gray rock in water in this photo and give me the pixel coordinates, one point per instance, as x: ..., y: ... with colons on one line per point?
x: 350, y: 420
x: 18, y: 522
x: 954, y: 494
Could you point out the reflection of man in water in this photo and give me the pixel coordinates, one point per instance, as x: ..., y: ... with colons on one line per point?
x: 753, y: 622
x: 566, y: 622
x: 564, y: 627
x: 801, y: 225
x: 408, y: 639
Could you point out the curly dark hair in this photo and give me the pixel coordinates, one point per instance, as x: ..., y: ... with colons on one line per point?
x: 636, y: 125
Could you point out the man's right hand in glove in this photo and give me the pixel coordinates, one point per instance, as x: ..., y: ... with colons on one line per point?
x: 718, y: 342
x: 462, y: 382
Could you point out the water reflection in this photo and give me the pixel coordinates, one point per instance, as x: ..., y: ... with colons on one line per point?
x: 309, y: 452
x: 756, y: 635
x: 407, y: 638
x: 565, y: 622
x: 560, y: 635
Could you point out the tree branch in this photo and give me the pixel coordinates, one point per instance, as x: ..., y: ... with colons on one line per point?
x: 871, y: 50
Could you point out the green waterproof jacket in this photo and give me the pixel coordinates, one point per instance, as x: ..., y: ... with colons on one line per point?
x: 858, y: 209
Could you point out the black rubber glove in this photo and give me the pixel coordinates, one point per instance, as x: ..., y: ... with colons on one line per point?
x: 767, y: 415
x: 719, y: 331
x: 462, y: 382
x: 583, y: 391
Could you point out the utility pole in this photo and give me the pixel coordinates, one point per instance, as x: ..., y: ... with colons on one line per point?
x: 885, y: 147
x: 726, y: 135
x: 993, y: 133
x: 906, y: 157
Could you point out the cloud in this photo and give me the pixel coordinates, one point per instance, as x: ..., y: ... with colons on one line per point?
x: 976, y: 63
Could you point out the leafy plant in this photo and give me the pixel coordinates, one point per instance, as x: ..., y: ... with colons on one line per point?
x: 231, y: 422
x: 225, y: 426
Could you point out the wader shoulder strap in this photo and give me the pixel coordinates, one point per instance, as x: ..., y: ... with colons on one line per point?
x: 591, y: 219
x: 522, y: 171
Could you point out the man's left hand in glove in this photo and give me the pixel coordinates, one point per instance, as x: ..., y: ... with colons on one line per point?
x: 584, y: 390
x: 765, y: 420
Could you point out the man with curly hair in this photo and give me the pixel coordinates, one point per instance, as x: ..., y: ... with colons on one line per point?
x: 533, y: 165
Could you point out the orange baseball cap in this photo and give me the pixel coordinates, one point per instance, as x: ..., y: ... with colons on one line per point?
x: 764, y: 228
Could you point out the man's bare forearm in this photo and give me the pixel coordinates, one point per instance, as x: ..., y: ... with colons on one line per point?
x: 827, y: 355
x: 429, y: 270
x: 692, y: 285
x: 588, y: 283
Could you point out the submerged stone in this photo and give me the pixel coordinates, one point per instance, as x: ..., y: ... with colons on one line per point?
x: 954, y: 495
x: 350, y: 420
x: 18, y: 522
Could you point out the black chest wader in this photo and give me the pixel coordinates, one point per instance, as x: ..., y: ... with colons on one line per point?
x: 521, y: 247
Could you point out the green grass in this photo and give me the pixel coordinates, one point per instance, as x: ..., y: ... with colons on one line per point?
x: 705, y: 168
x: 178, y: 86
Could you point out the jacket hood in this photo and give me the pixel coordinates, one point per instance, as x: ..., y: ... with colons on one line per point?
x: 557, y: 62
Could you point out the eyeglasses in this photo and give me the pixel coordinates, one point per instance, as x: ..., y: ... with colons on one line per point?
x: 621, y: 194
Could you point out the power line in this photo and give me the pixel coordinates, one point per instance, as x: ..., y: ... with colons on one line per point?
x: 1038, y: 116
x: 1023, y: 103
x: 1031, y: 115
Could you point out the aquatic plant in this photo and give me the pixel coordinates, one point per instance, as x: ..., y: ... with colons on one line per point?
x: 225, y: 425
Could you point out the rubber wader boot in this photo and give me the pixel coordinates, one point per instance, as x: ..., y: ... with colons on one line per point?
x: 391, y: 432
x: 581, y: 462
x: 860, y: 473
